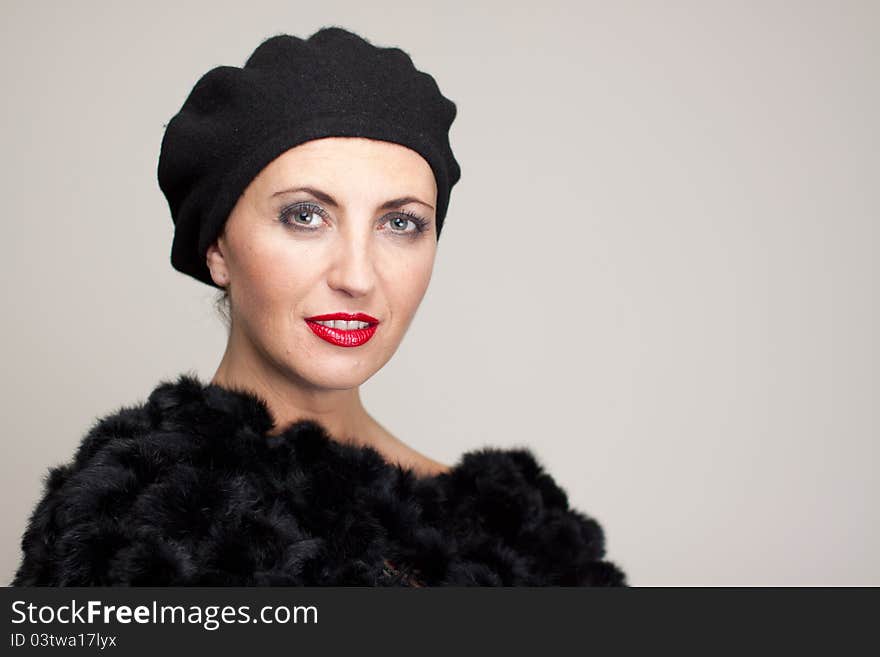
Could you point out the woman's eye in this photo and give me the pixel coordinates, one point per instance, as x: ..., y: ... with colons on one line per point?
x: 400, y: 223
x: 304, y: 216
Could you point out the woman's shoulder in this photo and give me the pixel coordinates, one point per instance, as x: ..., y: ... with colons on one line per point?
x: 506, y: 497
x: 167, y: 429
x: 139, y: 475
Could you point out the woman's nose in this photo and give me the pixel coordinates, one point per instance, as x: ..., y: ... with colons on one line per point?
x: 353, y: 269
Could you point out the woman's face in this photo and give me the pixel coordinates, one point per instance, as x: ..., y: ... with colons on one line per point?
x: 287, y: 254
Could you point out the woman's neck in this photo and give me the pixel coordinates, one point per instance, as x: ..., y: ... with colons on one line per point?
x: 340, y: 412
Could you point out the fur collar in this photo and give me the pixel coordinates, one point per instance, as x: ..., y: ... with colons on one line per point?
x: 187, y: 489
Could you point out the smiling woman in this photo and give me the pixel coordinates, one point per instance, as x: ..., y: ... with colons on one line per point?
x: 329, y: 251
x: 319, y: 221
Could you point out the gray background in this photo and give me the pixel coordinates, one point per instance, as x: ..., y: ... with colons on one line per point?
x: 659, y: 268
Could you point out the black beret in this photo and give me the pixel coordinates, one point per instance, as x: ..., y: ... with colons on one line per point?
x: 235, y: 121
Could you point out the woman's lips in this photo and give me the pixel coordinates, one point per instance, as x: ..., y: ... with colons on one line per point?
x: 341, y: 337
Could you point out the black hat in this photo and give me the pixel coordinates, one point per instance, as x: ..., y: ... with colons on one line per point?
x: 235, y: 121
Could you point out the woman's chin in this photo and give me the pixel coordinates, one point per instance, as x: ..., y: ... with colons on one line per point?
x: 337, y: 373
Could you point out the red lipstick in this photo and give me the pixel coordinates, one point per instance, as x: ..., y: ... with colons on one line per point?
x: 340, y: 336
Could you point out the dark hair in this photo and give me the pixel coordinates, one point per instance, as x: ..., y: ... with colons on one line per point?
x: 223, y: 306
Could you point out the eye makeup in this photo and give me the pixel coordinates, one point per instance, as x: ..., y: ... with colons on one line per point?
x: 288, y: 215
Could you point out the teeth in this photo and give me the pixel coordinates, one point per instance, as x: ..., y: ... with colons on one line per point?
x: 343, y: 325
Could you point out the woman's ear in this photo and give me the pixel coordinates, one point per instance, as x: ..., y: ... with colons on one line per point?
x: 217, y: 262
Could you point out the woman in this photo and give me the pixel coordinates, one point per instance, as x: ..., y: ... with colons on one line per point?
x: 310, y: 186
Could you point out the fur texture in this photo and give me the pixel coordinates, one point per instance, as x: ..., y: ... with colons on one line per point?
x: 187, y: 489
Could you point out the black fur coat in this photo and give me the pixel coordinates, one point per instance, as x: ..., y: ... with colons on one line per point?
x: 189, y: 489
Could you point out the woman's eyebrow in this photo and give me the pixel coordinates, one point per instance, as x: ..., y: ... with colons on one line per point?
x: 329, y: 200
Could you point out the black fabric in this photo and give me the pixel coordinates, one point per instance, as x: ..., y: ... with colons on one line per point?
x: 235, y: 121
x: 188, y: 489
